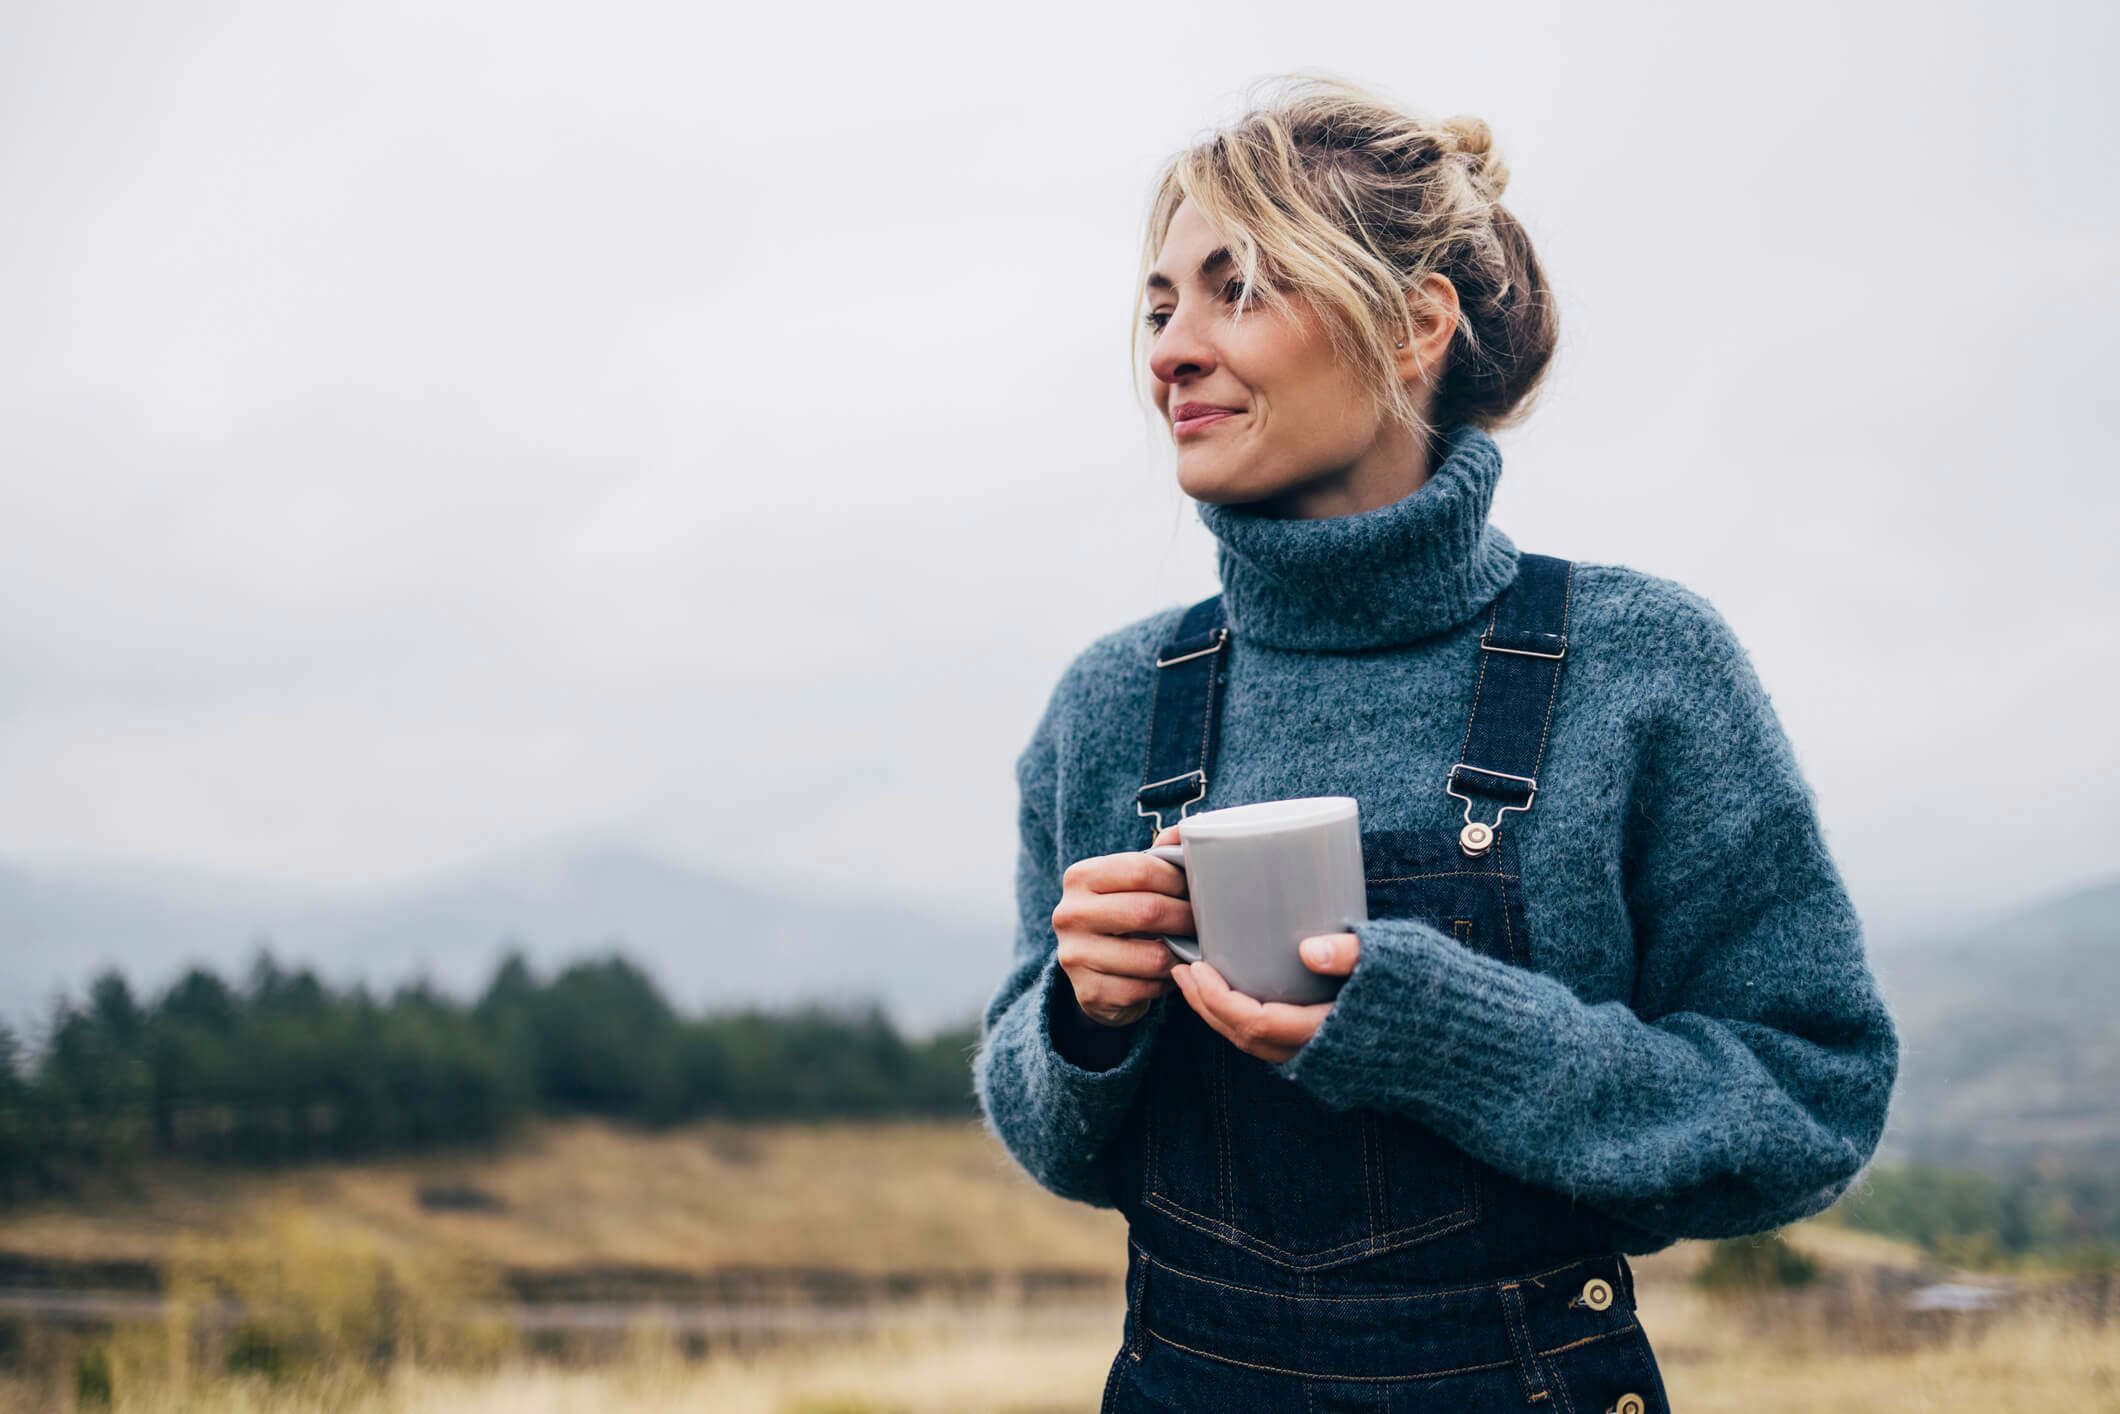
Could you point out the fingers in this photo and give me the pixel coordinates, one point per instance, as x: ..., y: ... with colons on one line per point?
x: 1122, y: 915
x: 1112, y: 912
x: 1134, y: 871
x: 1230, y: 1031
x: 1115, y: 957
x: 1115, y: 1001
x: 1125, y: 1016
x: 1333, y: 954
x: 1273, y: 1031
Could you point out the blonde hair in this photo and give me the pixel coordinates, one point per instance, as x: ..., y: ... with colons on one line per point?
x: 1326, y: 191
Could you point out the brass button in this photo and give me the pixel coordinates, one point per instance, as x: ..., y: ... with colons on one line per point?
x: 1628, y: 1404
x: 1597, y: 1295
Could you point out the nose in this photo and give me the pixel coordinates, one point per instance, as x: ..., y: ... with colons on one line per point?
x: 1180, y: 352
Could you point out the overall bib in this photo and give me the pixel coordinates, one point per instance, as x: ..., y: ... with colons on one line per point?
x: 1283, y: 1256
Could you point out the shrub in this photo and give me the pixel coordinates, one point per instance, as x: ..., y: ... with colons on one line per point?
x: 305, y: 1297
x: 1765, y: 1262
x: 92, y: 1378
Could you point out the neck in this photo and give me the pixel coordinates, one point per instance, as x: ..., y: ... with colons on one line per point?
x: 1397, y: 573
x: 1389, y: 471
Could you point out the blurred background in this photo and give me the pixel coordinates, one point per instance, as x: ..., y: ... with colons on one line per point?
x: 531, y: 537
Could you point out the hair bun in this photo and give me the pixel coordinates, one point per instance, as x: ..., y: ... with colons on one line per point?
x: 1476, y: 141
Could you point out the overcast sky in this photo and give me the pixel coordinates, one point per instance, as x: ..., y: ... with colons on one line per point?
x: 435, y: 431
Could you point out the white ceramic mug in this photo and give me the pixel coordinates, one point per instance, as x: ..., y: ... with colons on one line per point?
x: 1261, y: 879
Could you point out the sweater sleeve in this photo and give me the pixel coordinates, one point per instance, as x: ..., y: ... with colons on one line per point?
x: 1746, y: 1085
x: 1053, y: 1095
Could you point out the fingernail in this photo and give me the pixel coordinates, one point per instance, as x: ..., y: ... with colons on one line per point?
x: 1318, y: 952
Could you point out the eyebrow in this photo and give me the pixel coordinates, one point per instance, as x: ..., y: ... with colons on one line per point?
x: 1216, y: 259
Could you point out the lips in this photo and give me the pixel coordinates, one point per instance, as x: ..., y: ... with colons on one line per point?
x: 1190, y: 417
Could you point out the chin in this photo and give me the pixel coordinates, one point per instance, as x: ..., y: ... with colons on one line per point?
x: 1224, y: 488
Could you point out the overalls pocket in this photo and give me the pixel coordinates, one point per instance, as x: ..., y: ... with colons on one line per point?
x: 1238, y: 1151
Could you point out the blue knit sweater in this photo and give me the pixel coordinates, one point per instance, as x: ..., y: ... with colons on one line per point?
x: 1699, y: 1049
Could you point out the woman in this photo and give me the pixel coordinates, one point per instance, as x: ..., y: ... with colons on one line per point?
x: 1612, y: 992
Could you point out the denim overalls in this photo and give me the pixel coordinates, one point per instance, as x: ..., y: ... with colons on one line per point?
x: 1287, y: 1257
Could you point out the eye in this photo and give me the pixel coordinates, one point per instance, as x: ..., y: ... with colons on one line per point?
x: 1155, y: 319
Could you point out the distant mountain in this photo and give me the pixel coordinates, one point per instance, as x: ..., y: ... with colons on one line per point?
x: 710, y: 942
x: 2011, y: 1035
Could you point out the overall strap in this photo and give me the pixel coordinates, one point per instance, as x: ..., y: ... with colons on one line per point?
x: 1512, y: 705
x: 1190, y: 671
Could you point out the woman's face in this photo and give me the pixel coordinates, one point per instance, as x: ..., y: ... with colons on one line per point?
x: 1300, y: 436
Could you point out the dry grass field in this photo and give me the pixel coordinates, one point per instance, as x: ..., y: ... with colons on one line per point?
x: 873, y: 1198
x: 898, y: 1198
x: 1712, y: 1365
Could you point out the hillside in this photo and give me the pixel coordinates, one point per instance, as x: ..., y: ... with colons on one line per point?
x: 710, y: 942
x: 2011, y: 1048
x: 866, y: 1199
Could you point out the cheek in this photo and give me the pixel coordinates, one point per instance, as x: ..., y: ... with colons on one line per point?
x: 1325, y: 405
x: 1290, y: 378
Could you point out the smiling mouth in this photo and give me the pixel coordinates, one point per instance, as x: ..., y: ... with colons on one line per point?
x: 1205, y: 419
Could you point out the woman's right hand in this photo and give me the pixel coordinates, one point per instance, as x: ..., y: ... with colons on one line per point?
x: 1106, y: 903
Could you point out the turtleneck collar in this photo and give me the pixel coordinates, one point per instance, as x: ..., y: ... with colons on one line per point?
x: 1425, y: 563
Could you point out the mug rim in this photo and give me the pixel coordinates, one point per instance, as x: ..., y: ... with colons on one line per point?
x: 1266, y: 817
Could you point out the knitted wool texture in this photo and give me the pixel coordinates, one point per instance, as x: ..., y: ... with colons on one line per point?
x: 1699, y: 1049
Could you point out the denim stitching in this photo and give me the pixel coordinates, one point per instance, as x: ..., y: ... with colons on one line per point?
x: 1155, y: 1160
x: 1586, y: 1340
x: 1509, y: 931
x: 1350, y: 1379
x: 1581, y: 1263
x: 1448, y: 874
x: 1314, y: 1375
x: 1226, y: 1198
x: 1231, y: 1233
x: 1207, y: 723
x: 1567, y: 591
x: 1372, y: 1180
x: 1137, y: 1310
x: 1466, y: 744
x: 1528, y: 1373
x: 1111, y: 1381
x: 1148, y: 758
x: 1567, y: 1401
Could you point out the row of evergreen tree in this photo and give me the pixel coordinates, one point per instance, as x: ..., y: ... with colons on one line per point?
x: 287, y: 1067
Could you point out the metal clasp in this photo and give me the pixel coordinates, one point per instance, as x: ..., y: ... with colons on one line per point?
x: 1522, y: 653
x: 1183, y: 806
x: 1476, y: 838
x: 1221, y: 636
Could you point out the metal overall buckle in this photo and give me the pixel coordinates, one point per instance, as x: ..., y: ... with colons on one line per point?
x: 1218, y: 638
x: 1183, y: 806
x: 1476, y: 839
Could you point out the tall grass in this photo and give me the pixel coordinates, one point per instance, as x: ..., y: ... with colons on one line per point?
x: 2033, y: 1363
x: 293, y: 1309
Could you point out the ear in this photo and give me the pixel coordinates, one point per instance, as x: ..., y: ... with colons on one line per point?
x: 1432, y: 316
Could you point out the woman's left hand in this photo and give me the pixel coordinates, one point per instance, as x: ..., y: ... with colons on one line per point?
x: 1272, y: 1031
